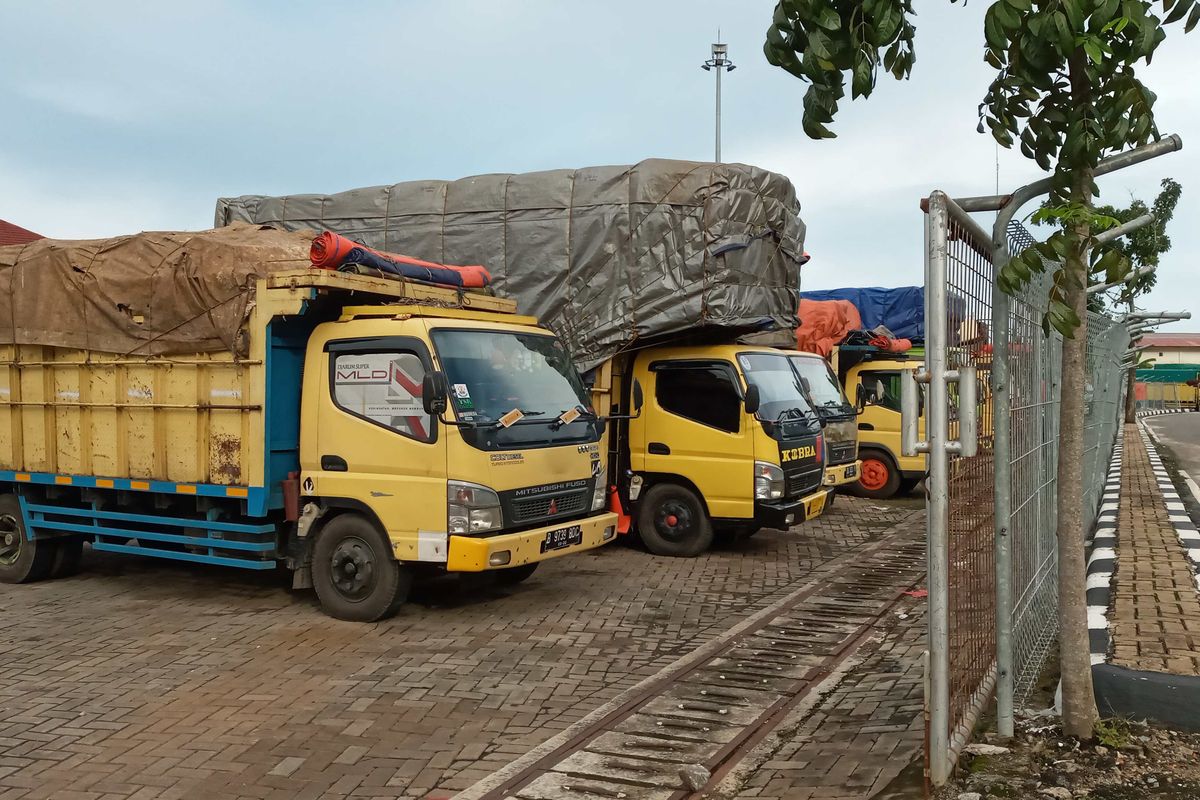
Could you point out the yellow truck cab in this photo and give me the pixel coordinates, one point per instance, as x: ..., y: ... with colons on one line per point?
x: 726, y: 440
x: 885, y: 471
x: 838, y: 417
x: 372, y: 428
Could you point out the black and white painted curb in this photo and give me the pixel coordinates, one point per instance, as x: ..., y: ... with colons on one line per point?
x: 1185, y: 529
x: 1154, y: 412
x: 1102, y: 556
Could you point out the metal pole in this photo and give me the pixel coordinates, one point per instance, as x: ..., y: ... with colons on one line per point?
x: 1104, y: 237
x: 717, y: 157
x: 936, y: 237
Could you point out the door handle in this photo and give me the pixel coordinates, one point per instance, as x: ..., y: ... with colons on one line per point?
x: 334, y: 464
x: 658, y: 449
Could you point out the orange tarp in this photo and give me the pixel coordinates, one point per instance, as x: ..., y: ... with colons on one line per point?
x: 824, y: 323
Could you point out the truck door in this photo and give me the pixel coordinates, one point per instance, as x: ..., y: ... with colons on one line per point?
x: 694, y: 425
x: 375, y: 444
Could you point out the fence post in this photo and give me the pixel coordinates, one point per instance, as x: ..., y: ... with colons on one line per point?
x: 1002, y: 466
x: 936, y: 238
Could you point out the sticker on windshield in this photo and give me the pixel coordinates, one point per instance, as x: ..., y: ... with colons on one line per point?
x: 569, y: 416
x: 460, y: 391
x: 511, y: 418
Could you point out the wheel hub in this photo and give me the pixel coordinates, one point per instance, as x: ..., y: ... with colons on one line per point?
x: 10, y: 539
x: 674, y: 520
x: 353, y: 568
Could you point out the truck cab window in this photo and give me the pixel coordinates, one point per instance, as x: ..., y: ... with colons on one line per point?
x: 383, y: 388
x: 704, y: 394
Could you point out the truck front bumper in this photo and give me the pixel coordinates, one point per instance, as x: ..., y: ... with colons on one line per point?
x: 480, y: 553
x: 783, y: 514
x: 837, y: 474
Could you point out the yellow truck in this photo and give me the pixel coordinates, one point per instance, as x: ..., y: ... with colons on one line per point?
x: 864, y: 370
x: 726, y: 441
x: 370, y: 428
x: 838, y: 417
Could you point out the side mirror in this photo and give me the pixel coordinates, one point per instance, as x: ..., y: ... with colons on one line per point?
x: 753, y: 399
x: 434, y: 389
x: 638, y: 398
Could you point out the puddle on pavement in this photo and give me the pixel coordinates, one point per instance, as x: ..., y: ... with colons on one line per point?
x: 908, y: 785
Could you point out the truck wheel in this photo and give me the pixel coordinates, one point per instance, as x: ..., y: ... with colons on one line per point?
x: 514, y: 575
x: 354, y: 572
x: 672, y: 521
x: 21, y: 561
x: 68, y: 553
x: 879, y: 479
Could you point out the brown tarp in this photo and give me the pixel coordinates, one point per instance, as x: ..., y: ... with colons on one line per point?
x: 151, y: 293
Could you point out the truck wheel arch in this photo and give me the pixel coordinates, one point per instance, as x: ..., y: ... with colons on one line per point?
x: 651, y: 478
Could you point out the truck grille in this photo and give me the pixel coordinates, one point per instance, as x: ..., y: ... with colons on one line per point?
x: 539, y: 507
x: 802, y: 481
x: 842, y: 452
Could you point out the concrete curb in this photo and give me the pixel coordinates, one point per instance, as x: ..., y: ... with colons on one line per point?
x: 1157, y: 411
x: 1102, y: 557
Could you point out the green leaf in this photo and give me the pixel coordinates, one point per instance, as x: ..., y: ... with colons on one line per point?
x: 829, y: 19
x: 1074, y: 13
x: 993, y: 30
x: 1193, y: 18
x: 1179, y: 12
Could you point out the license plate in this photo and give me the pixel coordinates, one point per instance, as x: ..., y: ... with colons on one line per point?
x: 815, y: 506
x: 562, y: 537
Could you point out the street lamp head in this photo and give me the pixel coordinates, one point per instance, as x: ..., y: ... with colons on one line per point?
x: 719, y: 51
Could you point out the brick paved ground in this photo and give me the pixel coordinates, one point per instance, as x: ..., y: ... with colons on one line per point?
x: 1156, y: 616
x: 150, y: 680
x: 862, y: 734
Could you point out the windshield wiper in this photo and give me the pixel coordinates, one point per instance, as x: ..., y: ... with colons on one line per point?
x: 791, y: 413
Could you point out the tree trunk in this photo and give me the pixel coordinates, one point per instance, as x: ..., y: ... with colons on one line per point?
x: 1079, y: 703
x: 1130, y: 400
x: 1131, y: 386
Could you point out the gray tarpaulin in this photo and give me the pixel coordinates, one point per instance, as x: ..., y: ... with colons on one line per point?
x: 606, y: 256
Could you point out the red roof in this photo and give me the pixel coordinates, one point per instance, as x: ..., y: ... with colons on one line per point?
x: 15, y: 234
x: 1170, y: 340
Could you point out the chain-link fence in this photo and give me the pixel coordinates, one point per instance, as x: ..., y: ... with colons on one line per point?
x: 992, y: 510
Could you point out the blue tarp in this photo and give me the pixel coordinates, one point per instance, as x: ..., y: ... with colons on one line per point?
x: 901, y: 309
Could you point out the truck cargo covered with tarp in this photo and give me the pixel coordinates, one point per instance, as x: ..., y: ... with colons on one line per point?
x: 900, y: 310
x: 146, y: 294
x: 606, y: 256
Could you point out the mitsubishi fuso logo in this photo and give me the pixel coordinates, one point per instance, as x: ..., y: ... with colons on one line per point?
x: 553, y: 509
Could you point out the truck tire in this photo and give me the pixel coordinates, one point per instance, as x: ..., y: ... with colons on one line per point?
x: 908, y: 484
x: 673, y: 522
x: 514, y: 575
x: 879, y: 478
x: 68, y: 552
x: 21, y: 560
x: 355, y: 573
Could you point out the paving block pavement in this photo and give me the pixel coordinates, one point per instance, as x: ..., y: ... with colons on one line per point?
x: 144, y: 679
x: 1155, y: 619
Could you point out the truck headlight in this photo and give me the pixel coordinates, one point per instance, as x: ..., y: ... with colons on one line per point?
x: 600, y: 493
x: 768, y: 481
x: 471, y: 508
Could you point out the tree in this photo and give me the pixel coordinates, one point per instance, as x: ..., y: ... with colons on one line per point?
x: 1141, y: 248
x: 1067, y: 95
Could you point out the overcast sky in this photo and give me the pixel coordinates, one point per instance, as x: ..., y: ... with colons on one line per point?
x: 125, y: 116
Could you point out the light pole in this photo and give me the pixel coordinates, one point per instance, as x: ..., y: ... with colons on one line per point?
x: 720, y: 60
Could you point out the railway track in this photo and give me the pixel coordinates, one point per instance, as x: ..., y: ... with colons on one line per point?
x: 677, y: 734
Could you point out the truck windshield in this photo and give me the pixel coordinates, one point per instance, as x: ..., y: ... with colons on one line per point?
x: 823, y: 386
x: 781, y: 396
x: 491, y: 373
